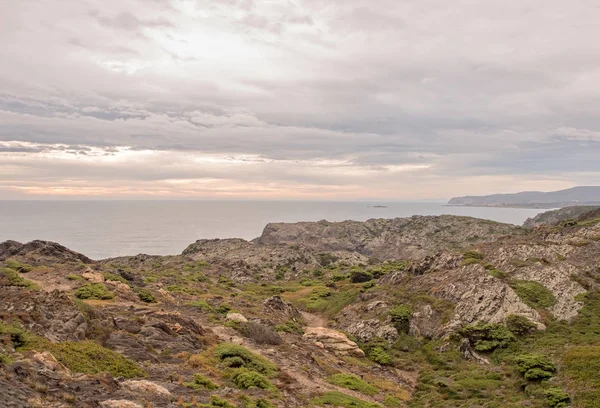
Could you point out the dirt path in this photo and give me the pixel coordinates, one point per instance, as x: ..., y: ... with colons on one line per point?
x: 313, y: 320
x: 289, y: 367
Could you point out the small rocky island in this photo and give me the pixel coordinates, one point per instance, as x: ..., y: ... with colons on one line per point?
x: 419, y: 312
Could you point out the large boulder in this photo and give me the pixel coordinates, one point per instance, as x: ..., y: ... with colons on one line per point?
x: 333, y: 340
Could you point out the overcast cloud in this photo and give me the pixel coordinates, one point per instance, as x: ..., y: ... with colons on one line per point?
x: 387, y: 99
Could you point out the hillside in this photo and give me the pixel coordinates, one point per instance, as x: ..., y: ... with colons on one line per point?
x: 584, y: 195
x: 420, y: 312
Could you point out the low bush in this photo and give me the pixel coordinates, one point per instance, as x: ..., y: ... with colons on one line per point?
x: 219, y: 402
x: 94, y: 291
x: 487, y: 336
x: 245, y: 379
x: 201, y: 383
x: 535, y: 367
x: 520, y: 325
x: 260, y: 333
x: 234, y: 356
x: 108, y: 276
x: 400, y: 316
x: 146, y: 296
x: 352, y: 382
x: 73, y: 277
x: 89, y: 357
x: 339, y: 399
x: 10, y: 277
x: 18, y: 266
x: 557, y: 398
x: 202, y: 305
x: 360, y: 276
x: 290, y: 327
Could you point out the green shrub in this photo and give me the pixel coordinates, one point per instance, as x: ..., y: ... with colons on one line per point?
x: 393, y: 402
x: 326, y: 259
x: 94, y: 291
x: 146, y: 296
x: 379, y: 355
x: 202, y: 305
x: 557, y: 398
x: 219, y: 402
x: 234, y: 356
x: 290, y: 327
x: 73, y: 277
x: 400, y: 316
x: 245, y: 379
x: 533, y: 293
x: 487, y: 337
x: 352, y: 382
x: 201, y: 383
x: 90, y: 358
x: 108, y: 276
x: 18, y: 266
x: 360, y: 276
x: 336, y: 277
x: 223, y: 308
x: 13, y: 334
x: 10, y: 277
x: 520, y: 325
x: 339, y: 399
x: 535, y: 367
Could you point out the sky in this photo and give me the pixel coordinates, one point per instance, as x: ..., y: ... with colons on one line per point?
x: 297, y: 99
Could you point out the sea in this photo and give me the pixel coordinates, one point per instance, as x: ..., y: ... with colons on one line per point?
x: 106, y: 229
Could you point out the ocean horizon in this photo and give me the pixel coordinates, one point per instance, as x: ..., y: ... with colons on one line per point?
x: 104, y: 229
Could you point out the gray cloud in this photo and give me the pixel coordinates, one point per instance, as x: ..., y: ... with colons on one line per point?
x: 388, y: 99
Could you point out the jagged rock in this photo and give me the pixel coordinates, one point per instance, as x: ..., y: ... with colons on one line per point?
x: 399, y: 238
x: 248, y: 259
x: 367, y: 330
x: 333, y: 340
x: 119, y: 404
x: 53, y: 315
x: 277, y: 304
x: 40, y: 252
x: 146, y: 388
x: 425, y: 322
x: 236, y: 317
x: 49, y: 366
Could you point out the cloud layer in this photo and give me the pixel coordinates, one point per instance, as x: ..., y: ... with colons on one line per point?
x: 297, y: 99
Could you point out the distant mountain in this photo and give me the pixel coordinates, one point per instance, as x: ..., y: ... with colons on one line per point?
x: 576, y: 196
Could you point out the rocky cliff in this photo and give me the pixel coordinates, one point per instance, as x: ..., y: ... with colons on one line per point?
x: 412, y: 312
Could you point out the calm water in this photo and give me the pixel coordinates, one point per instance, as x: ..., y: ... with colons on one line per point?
x: 102, y: 229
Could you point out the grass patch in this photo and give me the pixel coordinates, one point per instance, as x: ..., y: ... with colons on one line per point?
x: 201, y: 383
x: 339, y: 399
x: 10, y: 277
x: 89, y: 357
x: 352, y: 382
x: 18, y: 266
x: 533, y: 293
x: 581, y: 371
x: 108, y: 276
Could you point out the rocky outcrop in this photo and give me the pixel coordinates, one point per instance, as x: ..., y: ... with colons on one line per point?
x: 333, y: 341
x: 399, y: 238
x: 40, y: 253
x: 236, y: 317
x: 246, y: 259
x: 119, y: 404
x: 560, y: 215
x: 146, y: 388
x: 275, y: 304
x: 50, y: 314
